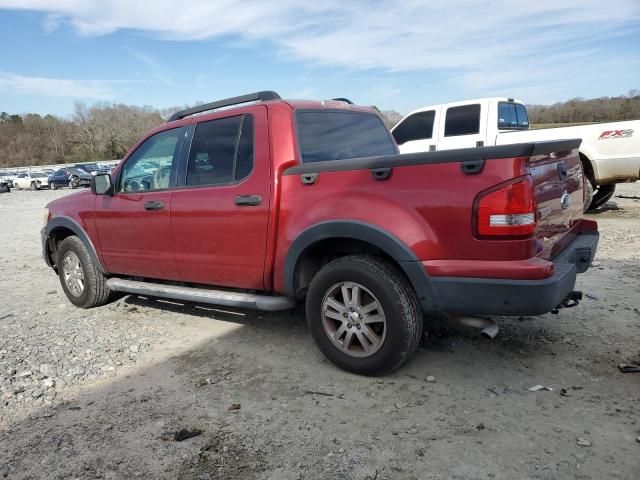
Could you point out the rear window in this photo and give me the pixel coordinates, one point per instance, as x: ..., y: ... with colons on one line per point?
x: 464, y: 120
x: 418, y: 126
x: 512, y: 116
x: 339, y: 135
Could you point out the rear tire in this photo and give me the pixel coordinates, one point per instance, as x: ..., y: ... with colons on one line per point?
x: 377, y: 282
x: 54, y: 186
x: 588, y: 194
x: 603, y: 195
x: 94, y: 291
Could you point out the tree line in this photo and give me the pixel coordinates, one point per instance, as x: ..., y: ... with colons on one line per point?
x: 106, y: 131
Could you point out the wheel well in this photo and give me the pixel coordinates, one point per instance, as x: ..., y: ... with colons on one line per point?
x: 317, y: 255
x: 588, y: 168
x: 56, y: 236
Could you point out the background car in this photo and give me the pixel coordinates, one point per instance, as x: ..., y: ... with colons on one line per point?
x: 32, y: 180
x: 91, y: 168
x: 8, y: 177
x: 78, y: 177
x: 59, y: 179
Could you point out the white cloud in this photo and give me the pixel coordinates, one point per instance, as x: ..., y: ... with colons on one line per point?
x: 57, y: 87
x: 474, y: 39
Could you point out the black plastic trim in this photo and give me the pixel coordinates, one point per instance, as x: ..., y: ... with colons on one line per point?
x: 227, y: 102
x: 372, y: 234
x: 68, y: 223
x: 445, y: 156
x: 483, y: 296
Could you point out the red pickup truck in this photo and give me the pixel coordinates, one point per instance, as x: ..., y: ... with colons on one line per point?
x: 262, y: 202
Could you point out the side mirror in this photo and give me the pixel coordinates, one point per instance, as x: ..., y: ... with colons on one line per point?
x: 101, y: 184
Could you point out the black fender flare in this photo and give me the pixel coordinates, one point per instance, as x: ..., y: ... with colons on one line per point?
x: 381, y: 239
x: 69, y: 224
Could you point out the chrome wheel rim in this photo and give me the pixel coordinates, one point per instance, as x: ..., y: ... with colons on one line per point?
x: 353, y: 319
x: 73, y: 273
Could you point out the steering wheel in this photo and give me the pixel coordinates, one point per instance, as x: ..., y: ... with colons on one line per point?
x: 161, y: 177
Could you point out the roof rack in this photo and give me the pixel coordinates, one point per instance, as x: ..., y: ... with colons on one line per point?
x: 227, y: 102
x: 341, y: 99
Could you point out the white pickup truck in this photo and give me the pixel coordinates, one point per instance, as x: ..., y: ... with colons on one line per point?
x: 610, y: 152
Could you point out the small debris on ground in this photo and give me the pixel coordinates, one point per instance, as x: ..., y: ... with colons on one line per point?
x: 583, y: 442
x: 185, y: 434
x: 235, y: 406
x: 431, y: 379
x: 624, y: 368
x: 536, y: 388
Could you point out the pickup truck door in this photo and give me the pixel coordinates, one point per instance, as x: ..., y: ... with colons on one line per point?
x: 219, y: 215
x: 462, y: 126
x: 418, y: 132
x: 134, y: 225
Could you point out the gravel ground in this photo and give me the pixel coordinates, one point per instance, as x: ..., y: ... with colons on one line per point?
x: 143, y: 388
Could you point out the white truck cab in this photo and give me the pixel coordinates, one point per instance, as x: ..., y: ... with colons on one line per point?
x: 610, y: 152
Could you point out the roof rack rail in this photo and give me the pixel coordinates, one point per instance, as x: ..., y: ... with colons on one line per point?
x: 227, y: 102
x: 342, y: 99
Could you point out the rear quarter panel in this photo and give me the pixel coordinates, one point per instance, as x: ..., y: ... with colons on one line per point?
x: 429, y: 208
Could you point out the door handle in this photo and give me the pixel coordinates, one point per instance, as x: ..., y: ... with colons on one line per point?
x: 155, y: 205
x: 248, y: 200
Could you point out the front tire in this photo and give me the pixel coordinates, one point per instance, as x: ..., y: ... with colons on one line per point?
x: 73, y: 182
x: 82, y: 281
x: 364, y: 315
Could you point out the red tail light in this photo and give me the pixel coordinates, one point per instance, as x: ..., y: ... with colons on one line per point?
x: 508, y: 210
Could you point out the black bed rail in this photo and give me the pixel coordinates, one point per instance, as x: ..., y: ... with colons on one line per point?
x: 227, y: 102
x: 471, y: 159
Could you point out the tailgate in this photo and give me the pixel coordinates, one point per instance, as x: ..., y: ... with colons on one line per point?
x: 558, y: 181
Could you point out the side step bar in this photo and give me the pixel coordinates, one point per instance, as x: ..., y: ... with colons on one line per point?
x: 202, y: 295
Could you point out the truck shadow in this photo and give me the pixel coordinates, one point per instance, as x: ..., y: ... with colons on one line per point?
x: 261, y: 398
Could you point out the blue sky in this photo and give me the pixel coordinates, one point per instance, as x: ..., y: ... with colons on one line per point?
x: 396, y: 55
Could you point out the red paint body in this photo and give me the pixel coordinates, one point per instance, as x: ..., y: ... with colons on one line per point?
x: 203, y: 237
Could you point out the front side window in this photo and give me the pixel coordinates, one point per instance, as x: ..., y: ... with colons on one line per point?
x: 418, y: 126
x: 512, y: 116
x: 464, y: 120
x: 339, y: 135
x: 150, y: 167
x: 221, y: 151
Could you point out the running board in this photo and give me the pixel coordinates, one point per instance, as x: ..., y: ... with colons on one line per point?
x: 202, y: 295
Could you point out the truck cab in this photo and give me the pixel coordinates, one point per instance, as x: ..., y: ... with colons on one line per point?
x: 465, y: 124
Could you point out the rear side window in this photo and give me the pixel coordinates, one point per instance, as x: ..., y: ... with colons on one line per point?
x: 221, y: 151
x: 339, y: 135
x: 464, y: 120
x: 512, y: 116
x: 418, y: 126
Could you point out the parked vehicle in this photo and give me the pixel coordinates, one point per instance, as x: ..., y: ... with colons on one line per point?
x: 32, y: 180
x: 267, y: 204
x: 609, y: 153
x: 91, y: 168
x: 78, y: 177
x: 8, y: 177
x: 59, y: 179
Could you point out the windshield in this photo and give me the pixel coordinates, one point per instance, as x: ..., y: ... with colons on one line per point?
x: 338, y: 135
x: 512, y: 116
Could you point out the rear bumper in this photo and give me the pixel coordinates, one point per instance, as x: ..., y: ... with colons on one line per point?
x: 481, y: 296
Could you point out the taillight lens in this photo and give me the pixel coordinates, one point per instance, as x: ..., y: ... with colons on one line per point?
x: 508, y: 211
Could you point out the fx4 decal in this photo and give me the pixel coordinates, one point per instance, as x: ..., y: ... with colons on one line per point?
x: 616, y: 134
